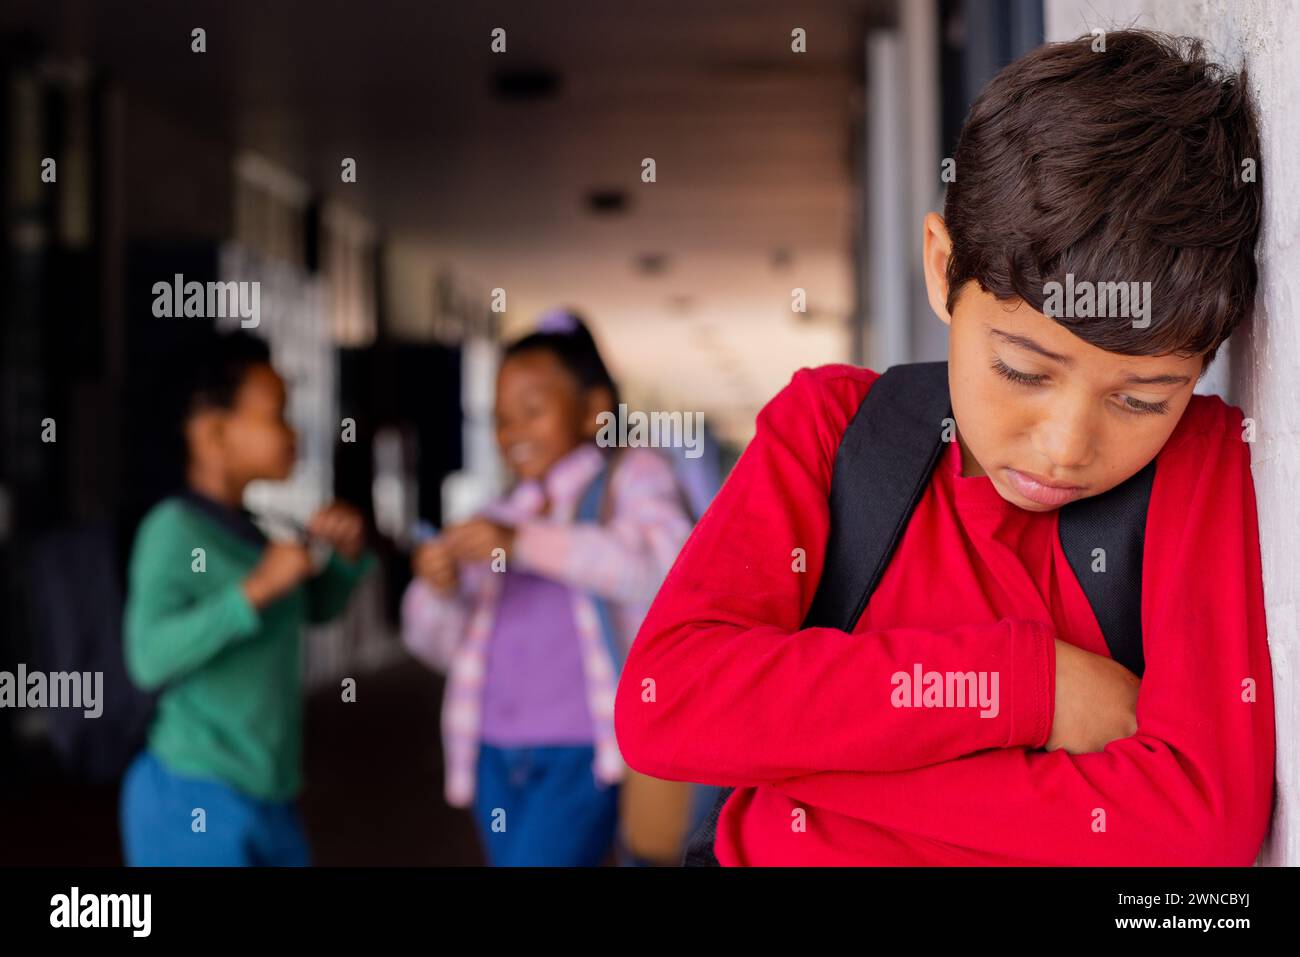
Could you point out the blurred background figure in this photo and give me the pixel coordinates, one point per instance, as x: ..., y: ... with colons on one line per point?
x: 531, y: 605
x: 214, y: 616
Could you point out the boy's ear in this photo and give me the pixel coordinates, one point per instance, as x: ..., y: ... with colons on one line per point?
x: 936, y: 248
x: 203, y: 434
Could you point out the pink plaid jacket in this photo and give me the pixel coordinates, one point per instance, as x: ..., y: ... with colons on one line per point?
x: 623, y: 561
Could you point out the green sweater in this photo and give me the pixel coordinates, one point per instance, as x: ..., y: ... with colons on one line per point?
x: 230, y: 676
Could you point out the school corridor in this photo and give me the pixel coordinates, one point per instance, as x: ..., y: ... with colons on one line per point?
x: 727, y: 191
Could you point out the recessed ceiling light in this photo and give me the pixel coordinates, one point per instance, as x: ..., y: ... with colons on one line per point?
x: 525, y: 84
x: 606, y: 201
x: 651, y: 264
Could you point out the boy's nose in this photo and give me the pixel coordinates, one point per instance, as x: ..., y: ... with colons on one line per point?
x: 1066, y: 461
x: 1066, y: 442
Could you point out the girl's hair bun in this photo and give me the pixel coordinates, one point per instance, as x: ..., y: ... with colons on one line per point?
x: 561, y: 321
x: 563, y: 333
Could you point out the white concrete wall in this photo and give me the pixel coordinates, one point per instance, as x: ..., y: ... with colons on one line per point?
x: 1260, y: 372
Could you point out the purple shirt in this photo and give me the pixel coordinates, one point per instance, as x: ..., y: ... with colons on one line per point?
x: 534, y: 692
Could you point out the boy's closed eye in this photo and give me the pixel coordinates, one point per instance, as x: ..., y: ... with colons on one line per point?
x: 1131, y: 404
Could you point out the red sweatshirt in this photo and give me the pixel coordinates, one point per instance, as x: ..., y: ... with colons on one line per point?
x: 837, y: 762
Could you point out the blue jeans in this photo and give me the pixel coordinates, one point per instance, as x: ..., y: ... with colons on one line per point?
x: 542, y: 807
x: 158, y: 822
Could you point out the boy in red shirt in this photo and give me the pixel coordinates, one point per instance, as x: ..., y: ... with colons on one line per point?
x: 1075, y: 168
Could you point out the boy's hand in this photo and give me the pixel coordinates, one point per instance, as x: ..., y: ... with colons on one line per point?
x: 478, y: 538
x: 1096, y: 701
x: 282, y: 568
x: 342, y: 526
x: 434, y: 562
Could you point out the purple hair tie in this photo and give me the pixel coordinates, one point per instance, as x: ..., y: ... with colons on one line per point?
x: 558, y: 321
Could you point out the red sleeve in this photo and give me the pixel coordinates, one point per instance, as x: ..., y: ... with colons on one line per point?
x: 722, y: 686
x: 1194, y: 785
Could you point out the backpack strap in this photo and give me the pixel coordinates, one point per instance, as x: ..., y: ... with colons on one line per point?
x: 1115, y: 522
x: 592, y: 507
x: 882, y: 468
x: 596, y: 506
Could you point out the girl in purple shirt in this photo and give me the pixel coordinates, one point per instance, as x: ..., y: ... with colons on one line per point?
x: 529, y: 608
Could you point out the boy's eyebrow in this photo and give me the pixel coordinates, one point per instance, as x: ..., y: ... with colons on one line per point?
x: 1032, y: 346
x: 1156, y: 379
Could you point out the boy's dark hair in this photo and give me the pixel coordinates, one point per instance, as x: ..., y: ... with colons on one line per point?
x: 219, y: 369
x: 1117, y: 166
x: 565, y: 335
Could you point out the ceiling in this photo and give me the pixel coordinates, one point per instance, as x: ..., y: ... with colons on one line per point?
x: 753, y: 144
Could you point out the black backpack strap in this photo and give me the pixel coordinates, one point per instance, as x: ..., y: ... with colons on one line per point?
x: 1114, y: 521
x: 882, y: 468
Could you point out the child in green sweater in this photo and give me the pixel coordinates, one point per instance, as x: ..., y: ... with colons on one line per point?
x: 213, y: 617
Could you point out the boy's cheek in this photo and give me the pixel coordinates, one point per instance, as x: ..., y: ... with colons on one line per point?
x: 264, y: 453
x: 285, y: 469
x: 987, y: 425
x: 287, y: 459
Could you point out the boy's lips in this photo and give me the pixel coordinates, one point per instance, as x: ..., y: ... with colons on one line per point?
x: 1039, y: 490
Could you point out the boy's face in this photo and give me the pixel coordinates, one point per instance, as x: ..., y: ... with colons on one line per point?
x: 1037, y: 407
x: 252, y: 438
